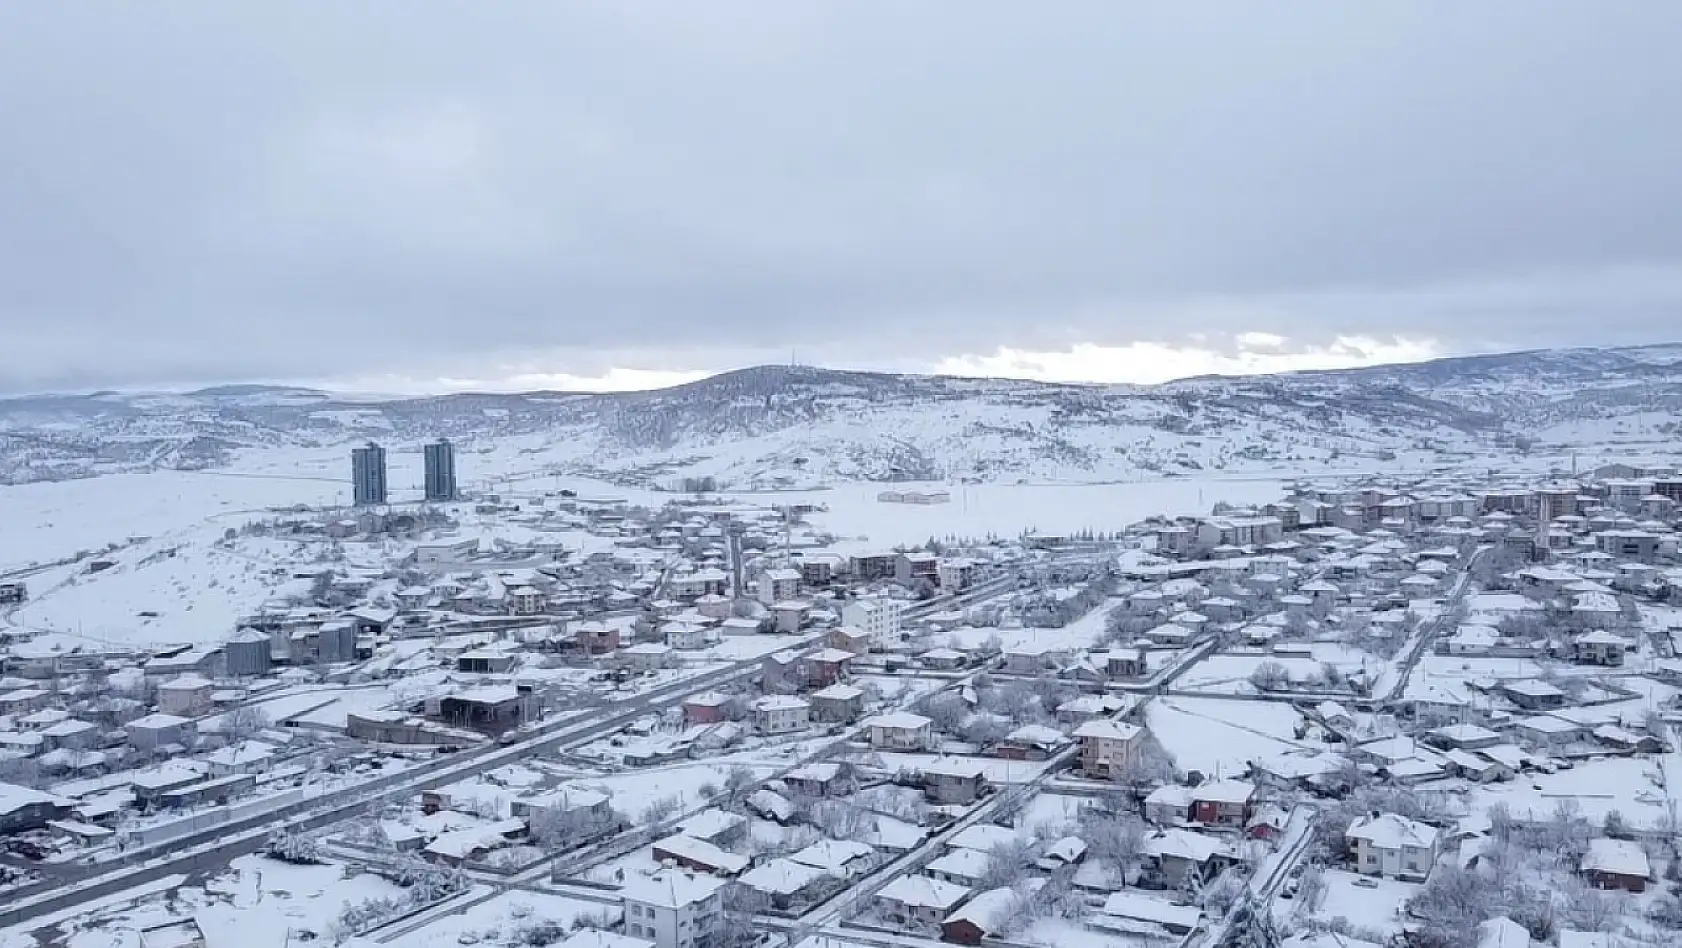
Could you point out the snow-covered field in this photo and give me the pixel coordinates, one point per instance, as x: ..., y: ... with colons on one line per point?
x: 173, y: 581
x: 1365, y: 901
x: 1218, y: 736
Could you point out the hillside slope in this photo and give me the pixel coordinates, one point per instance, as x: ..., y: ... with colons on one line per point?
x: 778, y: 425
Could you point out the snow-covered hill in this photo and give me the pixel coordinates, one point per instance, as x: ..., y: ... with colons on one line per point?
x: 775, y: 425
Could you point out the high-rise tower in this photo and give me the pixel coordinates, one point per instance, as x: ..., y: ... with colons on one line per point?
x: 441, y: 470
x: 367, y: 475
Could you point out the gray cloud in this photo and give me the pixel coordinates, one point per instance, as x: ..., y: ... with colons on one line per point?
x: 348, y: 191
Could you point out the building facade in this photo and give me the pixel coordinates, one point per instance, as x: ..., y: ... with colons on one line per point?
x: 367, y: 475
x: 440, y: 470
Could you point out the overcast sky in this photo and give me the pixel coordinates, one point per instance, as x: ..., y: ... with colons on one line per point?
x: 417, y: 196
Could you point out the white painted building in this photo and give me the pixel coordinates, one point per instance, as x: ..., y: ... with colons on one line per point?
x: 879, y: 617
x: 781, y: 714
x: 673, y: 908
x: 1389, y: 845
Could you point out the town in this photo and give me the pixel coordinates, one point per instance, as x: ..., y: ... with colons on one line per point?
x: 1431, y: 710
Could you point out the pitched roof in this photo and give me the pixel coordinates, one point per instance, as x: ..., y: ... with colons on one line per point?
x: 923, y: 892
x: 670, y: 887
x: 1389, y: 831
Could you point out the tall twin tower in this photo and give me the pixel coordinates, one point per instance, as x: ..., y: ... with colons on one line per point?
x: 367, y: 473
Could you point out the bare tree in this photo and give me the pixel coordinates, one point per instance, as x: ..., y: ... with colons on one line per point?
x: 659, y: 810
x: 947, y: 711
x: 738, y: 926
x: 739, y: 782
x: 1008, y: 863
x: 1270, y: 676
x: 244, y: 722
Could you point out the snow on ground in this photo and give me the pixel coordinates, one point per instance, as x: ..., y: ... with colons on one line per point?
x: 1630, y: 785
x: 257, y: 901
x: 1060, y: 933
x: 503, y: 919
x: 50, y: 520
x: 1218, y: 736
x: 734, y: 648
x: 1365, y: 901
x: 899, y: 690
x: 634, y: 790
x: 1053, y: 809
x: 183, y: 587
x: 998, y: 770
x: 1076, y: 636
x: 1230, y: 674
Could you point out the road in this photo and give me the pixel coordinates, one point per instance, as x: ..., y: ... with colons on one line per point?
x: 1434, y: 630
x: 214, y: 847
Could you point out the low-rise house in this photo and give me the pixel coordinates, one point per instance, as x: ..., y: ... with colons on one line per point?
x: 1031, y: 742
x: 1533, y: 694
x: 954, y: 780
x: 782, y: 672
x: 1169, y: 805
x: 1549, y: 733
x: 1086, y: 707
x: 1616, y: 864
x: 841, y: 858
x: 487, y: 661
x: 150, y: 785
x: 709, y: 707
x: 486, y: 707
x: 826, y: 666
x: 1463, y: 737
x: 1125, y: 911
x: 23, y: 809
x: 900, y: 731
x: 698, y: 855
x: 1107, y: 747
x: 1126, y: 663
x: 69, y: 734
x: 1599, y: 647
x: 849, y: 639
x: 989, y: 915
x: 1477, y: 767
x: 672, y: 907
x: 1032, y: 658
x: 781, y: 714
x: 186, y: 696
x: 1223, y: 803
x: 1062, y: 853
x: 715, y: 826
x: 587, y: 808
x: 786, y: 882
x: 838, y: 703
x: 1180, y: 855
x: 1393, y: 846
x: 919, y: 902
x: 461, y: 846
x: 943, y: 659
x: 965, y: 867
x: 246, y: 757
x: 821, y: 779
x: 155, y: 732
